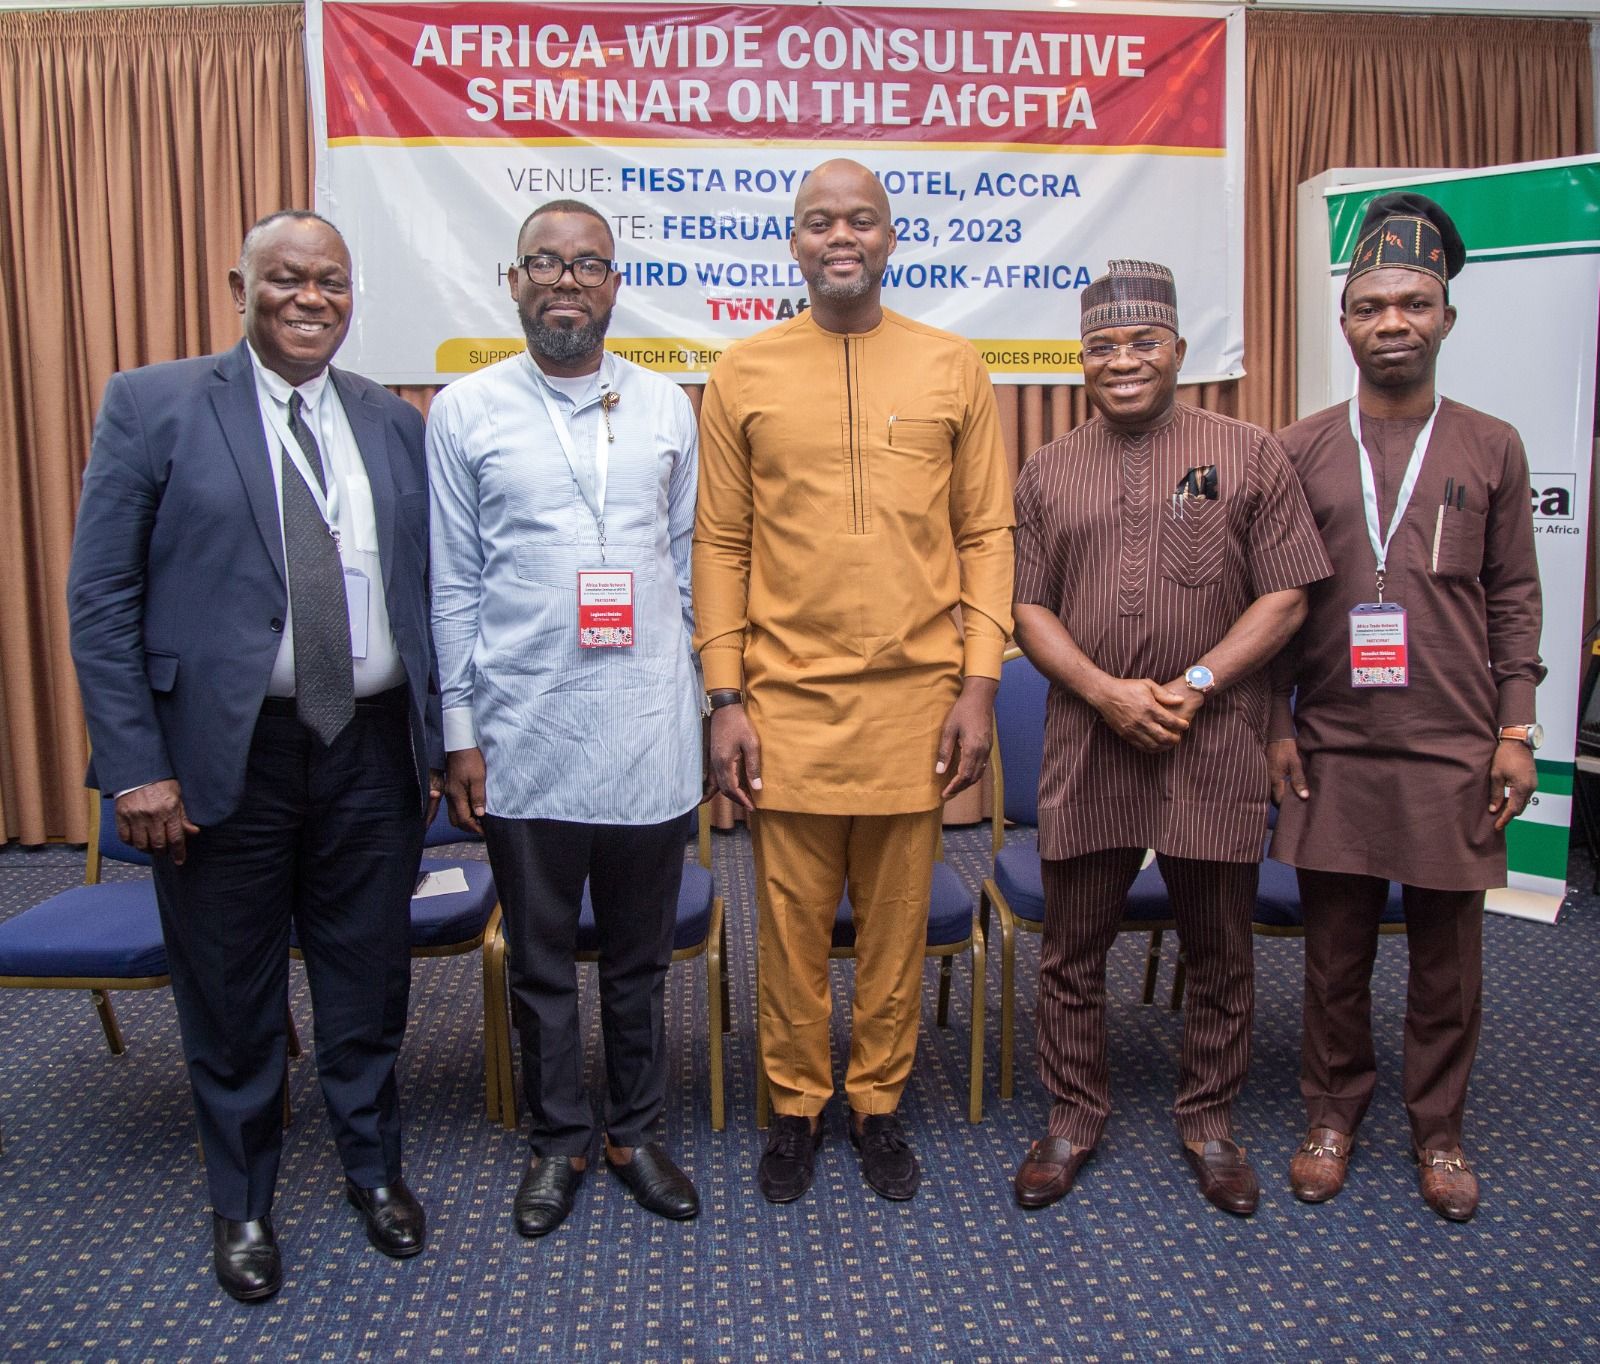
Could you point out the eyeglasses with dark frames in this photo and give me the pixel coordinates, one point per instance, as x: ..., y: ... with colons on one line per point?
x: 542, y: 268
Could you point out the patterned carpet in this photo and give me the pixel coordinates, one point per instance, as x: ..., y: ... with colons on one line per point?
x: 104, y: 1248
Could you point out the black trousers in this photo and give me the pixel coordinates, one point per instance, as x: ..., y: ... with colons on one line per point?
x: 330, y: 837
x: 634, y: 872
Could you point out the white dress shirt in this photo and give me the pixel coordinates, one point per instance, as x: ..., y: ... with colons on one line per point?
x: 342, y: 467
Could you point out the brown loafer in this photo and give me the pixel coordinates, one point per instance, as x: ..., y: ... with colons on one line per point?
x: 1048, y: 1170
x: 1317, y: 1171
x: 1225, y: 1176
x: 1448, y: 1185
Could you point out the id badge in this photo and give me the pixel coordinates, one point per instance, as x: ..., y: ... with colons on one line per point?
x: 358, y: 601
x: 605, y: 608
x: 1378, y: 645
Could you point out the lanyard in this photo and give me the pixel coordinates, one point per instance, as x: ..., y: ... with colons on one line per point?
x: 593, y: 489
x: 1408, y: 484
x: 327, y: 502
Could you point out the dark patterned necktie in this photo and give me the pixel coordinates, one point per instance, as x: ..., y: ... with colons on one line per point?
x: 324, y: 679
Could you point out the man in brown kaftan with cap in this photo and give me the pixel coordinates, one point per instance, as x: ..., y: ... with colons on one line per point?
x: 1162, y: 558
x: 1404, y: 770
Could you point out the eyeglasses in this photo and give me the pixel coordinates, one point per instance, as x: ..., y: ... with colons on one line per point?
x: 1147, y: 349
x: 589, y: 271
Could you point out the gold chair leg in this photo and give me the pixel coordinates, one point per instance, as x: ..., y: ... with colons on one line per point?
x: 108, y: 1021
x: 1008, y: 1002
x: 1152, y: 964
x: 503, y: 1022
x: 942, y: 1016
x: 980, y: 972
x: 716, y: 983
x: 491, y: 1032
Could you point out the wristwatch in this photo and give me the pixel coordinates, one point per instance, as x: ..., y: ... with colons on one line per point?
x: 724, y: 696
x: 1200, y: 679
x: 1532, y: 735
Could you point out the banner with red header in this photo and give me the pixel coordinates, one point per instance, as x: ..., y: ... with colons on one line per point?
x: 1021, y: 147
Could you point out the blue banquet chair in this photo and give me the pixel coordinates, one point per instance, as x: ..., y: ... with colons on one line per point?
x: 1015, y: 890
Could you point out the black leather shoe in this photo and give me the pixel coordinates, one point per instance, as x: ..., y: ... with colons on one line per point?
x: 657, y: 1184
x: 544, y: 1198
x: 396, y: 1224
x: 790, y: 1158
x: 246, y: 1256
x: 888, y: 1163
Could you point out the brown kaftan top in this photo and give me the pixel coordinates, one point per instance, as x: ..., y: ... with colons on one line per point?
x: 1399, y: 777
x: 1145, y: 589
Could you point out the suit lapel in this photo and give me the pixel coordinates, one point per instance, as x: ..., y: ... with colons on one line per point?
x: 233, y: 396
x: 367, y: 425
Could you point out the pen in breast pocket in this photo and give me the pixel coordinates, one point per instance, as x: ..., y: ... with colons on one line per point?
x: 1461, y: 498
x: 1449, y: 487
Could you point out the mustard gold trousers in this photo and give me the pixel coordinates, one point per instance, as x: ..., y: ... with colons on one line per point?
x: 803, y: 863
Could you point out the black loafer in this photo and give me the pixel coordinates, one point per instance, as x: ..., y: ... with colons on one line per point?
x: 790, y: 1158
x: 888, y: 1163
x: 246, y: 1255
x: 544, y: 1198
x: 657, y: 1184
x: 396, y: 1224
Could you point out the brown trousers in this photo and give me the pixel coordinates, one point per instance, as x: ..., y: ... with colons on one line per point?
x: 1084, y: 899
x: 802, y: 865
x: 1444, y: 993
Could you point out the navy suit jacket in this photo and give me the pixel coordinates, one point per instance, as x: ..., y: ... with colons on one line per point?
x: 177, y: 592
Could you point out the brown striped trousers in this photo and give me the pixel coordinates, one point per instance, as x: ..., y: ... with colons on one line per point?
x: 1084, y: 900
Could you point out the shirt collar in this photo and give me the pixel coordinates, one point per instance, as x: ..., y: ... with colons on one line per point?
x: 278, y: 388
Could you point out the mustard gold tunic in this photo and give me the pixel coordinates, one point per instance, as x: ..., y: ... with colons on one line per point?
x: 853, y: 493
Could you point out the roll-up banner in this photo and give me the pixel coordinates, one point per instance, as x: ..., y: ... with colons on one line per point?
x: 1021, y: 145
x: 1523, y: 349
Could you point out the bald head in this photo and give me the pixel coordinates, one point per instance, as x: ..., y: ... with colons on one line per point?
x: 841, y: 176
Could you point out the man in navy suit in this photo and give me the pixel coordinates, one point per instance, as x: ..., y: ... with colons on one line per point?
x: 249, y: 609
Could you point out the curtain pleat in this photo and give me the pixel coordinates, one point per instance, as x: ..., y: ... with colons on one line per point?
x: 137, y: 145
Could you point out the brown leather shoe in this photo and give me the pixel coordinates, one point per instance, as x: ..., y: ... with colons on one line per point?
x: 1448, y: 1185
x: 1317, y: 1171
x: 1048, y: 1170
x: 1225, y: 1176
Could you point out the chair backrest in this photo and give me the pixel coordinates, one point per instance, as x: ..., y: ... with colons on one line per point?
x: 1019, y: 736
x: 103, y: 840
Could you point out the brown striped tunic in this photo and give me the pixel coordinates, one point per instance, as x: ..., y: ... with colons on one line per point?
x: 1145, y: 590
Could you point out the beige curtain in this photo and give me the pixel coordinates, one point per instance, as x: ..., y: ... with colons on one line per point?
x: 1384, y: 90
x: 137, y: 145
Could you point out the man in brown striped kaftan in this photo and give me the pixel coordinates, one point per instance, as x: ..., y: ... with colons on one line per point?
x: 1162, y: 559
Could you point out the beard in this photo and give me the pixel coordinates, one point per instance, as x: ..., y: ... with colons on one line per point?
x: 563, y: 345
x: 842, y: 291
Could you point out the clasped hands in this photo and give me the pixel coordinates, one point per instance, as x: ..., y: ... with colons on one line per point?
x: 1142, y: 713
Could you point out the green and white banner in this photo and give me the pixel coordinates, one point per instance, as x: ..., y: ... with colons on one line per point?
x: 1523, y: 349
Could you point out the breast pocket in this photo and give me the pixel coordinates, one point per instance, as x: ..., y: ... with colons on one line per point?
x: 1458, y: 543
x: 919, y: 436
x: 1193, y: 541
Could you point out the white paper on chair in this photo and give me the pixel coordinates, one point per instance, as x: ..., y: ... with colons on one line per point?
x: 450, y: 881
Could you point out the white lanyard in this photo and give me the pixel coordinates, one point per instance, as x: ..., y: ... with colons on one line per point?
x: 1408, y: 484
x: 593, y: 490
x: 327, y: 502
